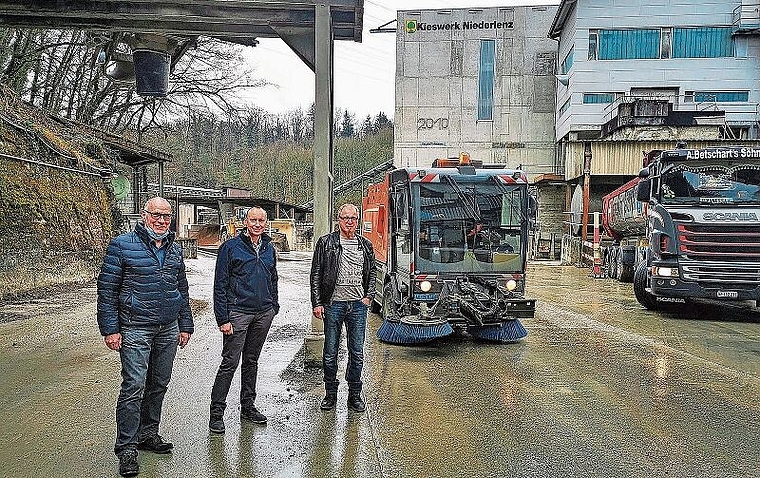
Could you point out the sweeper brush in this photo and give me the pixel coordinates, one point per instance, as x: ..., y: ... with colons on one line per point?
x: 510, y: 331
x: 404, y: 333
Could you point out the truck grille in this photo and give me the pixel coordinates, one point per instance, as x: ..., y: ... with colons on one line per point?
x: 720, y: 254
x: 734, y: 273
x: 725, y: 243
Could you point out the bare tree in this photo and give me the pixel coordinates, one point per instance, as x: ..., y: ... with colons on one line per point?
x: 55, y: 71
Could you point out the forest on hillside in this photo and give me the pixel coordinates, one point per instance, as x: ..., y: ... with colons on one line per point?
x: 215, y: 136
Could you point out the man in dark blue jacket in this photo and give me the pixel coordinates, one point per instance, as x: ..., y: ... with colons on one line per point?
x: 144, y: 313
x: 245, y: 302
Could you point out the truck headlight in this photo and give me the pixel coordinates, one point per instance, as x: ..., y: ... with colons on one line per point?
x: 665, y: 271
x: 425, y: 286
x: 511, y: 284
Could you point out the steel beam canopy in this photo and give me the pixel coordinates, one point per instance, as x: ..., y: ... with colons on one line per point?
x: 234, y: 21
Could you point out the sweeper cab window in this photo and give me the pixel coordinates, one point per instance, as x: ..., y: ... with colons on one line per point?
x: 469, y: 227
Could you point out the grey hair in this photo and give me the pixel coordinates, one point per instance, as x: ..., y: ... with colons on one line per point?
x: 157, y: 199
x: 348, y: 204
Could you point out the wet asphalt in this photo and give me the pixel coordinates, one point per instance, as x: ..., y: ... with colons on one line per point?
x: 599, y: 388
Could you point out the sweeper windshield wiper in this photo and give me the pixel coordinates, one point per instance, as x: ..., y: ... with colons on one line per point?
x: 470, y: 207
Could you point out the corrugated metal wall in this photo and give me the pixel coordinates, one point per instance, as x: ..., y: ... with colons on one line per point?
x: 623, y: 157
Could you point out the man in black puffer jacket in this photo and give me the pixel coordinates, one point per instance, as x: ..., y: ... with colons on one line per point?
x: 245, y: 302
x: 144, y: 313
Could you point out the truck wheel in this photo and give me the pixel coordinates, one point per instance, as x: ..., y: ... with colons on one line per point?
x: 625, y: 273
x: 639, y: 288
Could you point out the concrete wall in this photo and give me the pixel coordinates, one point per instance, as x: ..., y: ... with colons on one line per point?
x: 551, y: 207
x: 626, y: 76
x: 437, y: 88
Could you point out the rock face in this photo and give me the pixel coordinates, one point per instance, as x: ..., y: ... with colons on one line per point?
x: 56, y: 216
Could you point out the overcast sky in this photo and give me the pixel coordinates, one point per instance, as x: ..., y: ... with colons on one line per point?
x: 364, y: 72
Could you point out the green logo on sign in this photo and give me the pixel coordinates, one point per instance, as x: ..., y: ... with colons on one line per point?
x: 411, y: 26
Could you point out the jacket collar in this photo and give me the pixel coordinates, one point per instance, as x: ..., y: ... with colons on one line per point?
x: 264, y: 238
x: 142, y: 233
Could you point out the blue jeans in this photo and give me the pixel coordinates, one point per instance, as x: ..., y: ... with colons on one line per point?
x: 354, y: 314
x: 147, y: 355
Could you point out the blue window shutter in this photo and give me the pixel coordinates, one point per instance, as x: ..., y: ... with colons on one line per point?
x: 486, y: 79
x: 706, y: 42
x: 629, y: 44
x: 721, y: 96
x: 598, y: 98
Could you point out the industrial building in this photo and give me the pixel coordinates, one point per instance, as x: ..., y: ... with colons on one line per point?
x: 575, y: 93
x: 479, y: 80
x: 639, y: 76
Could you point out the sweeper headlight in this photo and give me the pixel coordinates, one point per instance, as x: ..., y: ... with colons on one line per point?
x: 511, y: 284
x: 425, y: 286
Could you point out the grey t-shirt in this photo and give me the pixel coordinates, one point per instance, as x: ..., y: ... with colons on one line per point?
x: 350, y: 268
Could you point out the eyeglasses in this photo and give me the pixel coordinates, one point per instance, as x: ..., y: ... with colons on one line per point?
x: 157, y: 215
x: 348, y: 218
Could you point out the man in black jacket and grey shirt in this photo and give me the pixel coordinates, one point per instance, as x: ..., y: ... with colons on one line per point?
x: 342, y: 287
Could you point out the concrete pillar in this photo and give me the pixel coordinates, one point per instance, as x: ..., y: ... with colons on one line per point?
x: 323, y: 152
x: 161, y: 178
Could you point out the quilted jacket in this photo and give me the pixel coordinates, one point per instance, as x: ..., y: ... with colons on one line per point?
x: 135, y: 289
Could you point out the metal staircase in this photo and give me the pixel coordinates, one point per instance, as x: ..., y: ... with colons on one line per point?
x: 369, y: 174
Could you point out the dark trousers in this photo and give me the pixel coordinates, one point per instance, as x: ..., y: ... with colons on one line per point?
x: 353, y: 314
x: 248, y: 334
x: 147, y: 356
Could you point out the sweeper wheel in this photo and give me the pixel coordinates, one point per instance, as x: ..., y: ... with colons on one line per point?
x: 388, y: 307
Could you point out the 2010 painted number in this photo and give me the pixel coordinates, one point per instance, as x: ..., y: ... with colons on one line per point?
x: 432, y: 123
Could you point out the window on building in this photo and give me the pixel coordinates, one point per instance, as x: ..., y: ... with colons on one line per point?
x: 598, y: 98
x: 718, y: 96
x: 486, y: 79
x: 629, y: 44
x: 666, y: 42
x: 593, y: 38
x: 564, y: 107
x: 704, y: 42
x: 568, y: 62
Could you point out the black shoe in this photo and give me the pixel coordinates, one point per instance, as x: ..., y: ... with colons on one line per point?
x: 328, y: 403
x: 216, y: 425
x: 253, y: 415
x: 156, y: 444
x: 356, y: 403
x: 128, y: 465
